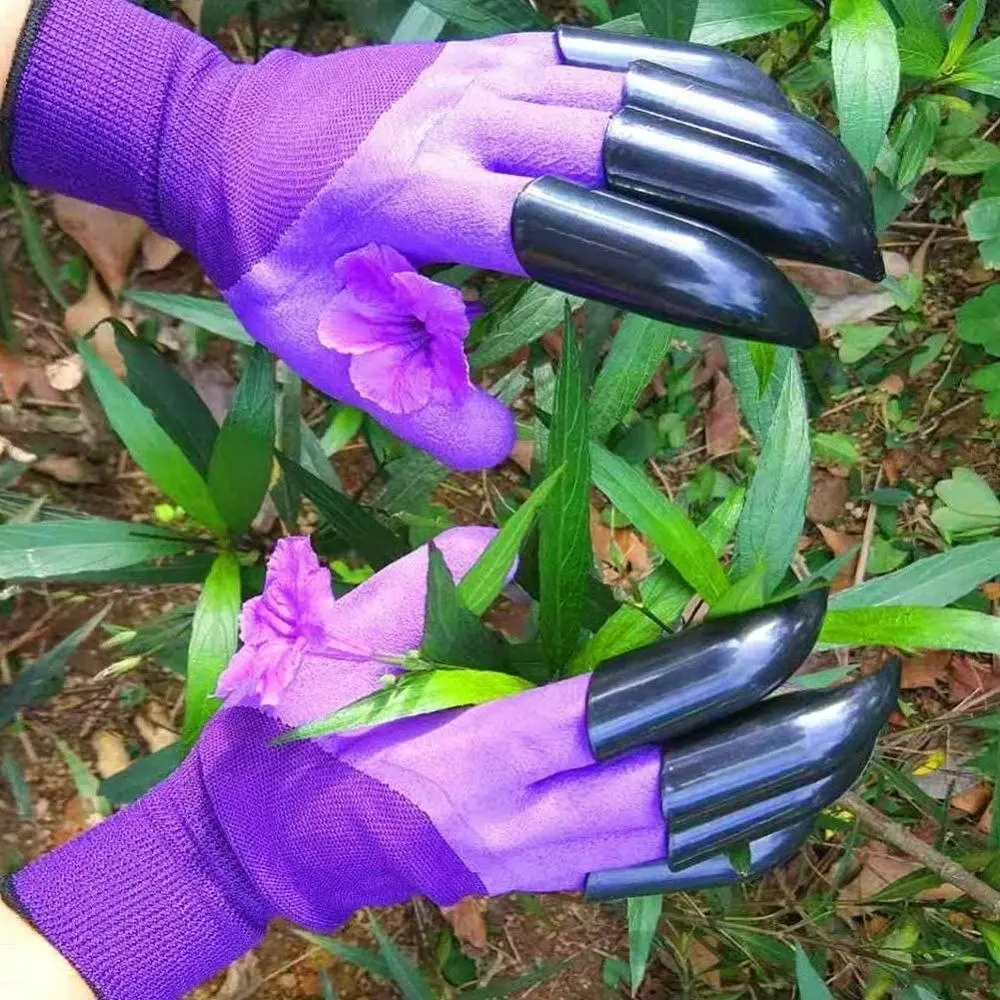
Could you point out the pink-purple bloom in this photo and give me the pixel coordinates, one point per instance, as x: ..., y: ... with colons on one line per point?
x: 294, y: 615
x: 404, y: 332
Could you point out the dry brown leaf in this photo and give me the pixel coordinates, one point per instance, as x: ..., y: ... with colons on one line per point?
x: 704, y: 964
x: 13, y: 374
x: 79, y: 816
x: 827, y: 496
x: 243, y: 978
x: 109, y: 748
x: 622, y: 554
x: 158, y: 252
x: 925, y: 671
x: 468, y: 920
x: 722, y: 424
x: 522, y: 453
x: 65, y: 374
x: 991, y: 591
x: 879, y: 869
x: 154, y: 727
x: 69, y: 469
x: 969, y: 677
x: 192, y: 10
x: 110, y: 239
x: 973, y: 799
x: 838, y: 542
x: 713, y: 359
x: 894, y: 464
x: 893, y: 384
x: 83, y: 315
x: 985, y: 823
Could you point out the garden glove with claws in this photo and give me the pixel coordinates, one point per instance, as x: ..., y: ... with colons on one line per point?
x: 633, y: 780
x: 311, y: 188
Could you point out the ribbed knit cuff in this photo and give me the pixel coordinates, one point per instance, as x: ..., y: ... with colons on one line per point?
x: 102, y: 88
x: 151, y: 902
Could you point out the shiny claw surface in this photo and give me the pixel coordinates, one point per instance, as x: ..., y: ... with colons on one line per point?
x: 686, y: 681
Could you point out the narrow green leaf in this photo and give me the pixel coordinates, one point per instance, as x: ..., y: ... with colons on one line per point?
x: 213, y: 642
x: 86, y: 784
x: 361, y: 957
x: 404, y: 973
x: 669, y: 18
x: 206, y: 314
x: 991, y: 938
x: 505, y: 987
x: 47, y: 549
x: 453, y: 634
x: 811, y: 986
x: 241, y: 464
x: 922, y: 37
x: 643, y: 917
x: 963, y: 29
x: 285, y: 494
x: 188, y: 568
x: 661, y: 520
x: 979, y: 69
x: 415, y: 694
x: 343, y: 427
x: 774, y: 513
x: 9, y: 333
x: 141, y: 775
x: 44, y: 677
x: 720, y: 21
x: 412, y: 480
x: 745, y: 594
x: 172, y: 400
x: 916, y: 139
x: 536, y: 311
x: 314, y: 459
x: 36, y: 247
x: 637, y: 351
x: 418, y: 24
x: 929, y: 352
x: 910, y: 627
x: 488, y: 17
x: 18, y: 784
x: 149, y: 444
x: 484, y: 581
x: 865, y: 74
x: 565, y: 559
x: 348, y: 519
x: 748, y: 368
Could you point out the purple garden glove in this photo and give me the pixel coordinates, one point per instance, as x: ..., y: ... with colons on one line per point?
x: 517, y: 794
x: 311, y: 187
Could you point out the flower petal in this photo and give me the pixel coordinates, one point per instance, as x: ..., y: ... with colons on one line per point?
x: 343, y: 328
x: 399, y: 378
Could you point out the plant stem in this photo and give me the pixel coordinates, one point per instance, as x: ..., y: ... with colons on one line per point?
x: 942, y: 866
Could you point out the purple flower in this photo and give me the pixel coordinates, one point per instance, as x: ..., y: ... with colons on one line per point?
x: 405, y: 332
x: 293, y: 615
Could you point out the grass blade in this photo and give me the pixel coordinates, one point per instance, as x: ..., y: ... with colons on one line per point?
x: 912, y: 628
x: 643, y: 917
x: 206, y: 314
x: 404, y: 973
x: 36, y: 247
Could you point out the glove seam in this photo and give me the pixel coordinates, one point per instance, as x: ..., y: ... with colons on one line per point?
x: 22, y: 52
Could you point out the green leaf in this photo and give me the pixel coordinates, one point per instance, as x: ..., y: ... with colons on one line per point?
x: 836, y: 446
x: 930, y: 351
x: 720, y: 21
x: 190, y: 568
x: 149, y: 445
x: 565, y: 558
x: 86, y: 784
x: 922, y: 43
x: 404, y: 973
x: 206, y: 314
x: 314, y: 459
x: 172, y: 400
x: 361, y: 957
x: 415, y: 694
x: 982, y: 220
x: 661, y: 520
x: 639, y: 347
x: 9, y: 333
x: 418, y: 24
x: 915, y: 141
x: 669, y: 18
x: 912, y: 628
x: 811, y: 986
x: 745, y: 594
x: 979, y: 69
x: 974, y: 156
x: 483, y: 582
x: 18, y: 784
x: 285, y: 494
x: 453, y: 634
x: 969, y: 493
x: 991, y: 938
x: 412, y: 479
x: 643, y: 917
x: 240, y: 469
x: 774, y: 513
x: 536, y: 311
x: 751, y: 367
x: 36, y: 247
x: 216, y: 14
x: 488, y: 17
x: 858, y: 340
x: 343, y: 428
x: 47, y: 549
x: 978, y: 320
x: 865, y: 74
x: 504, y: 987
x: 141, y: 775
x: 963, y: 29
x: 43, y: 678
x: 213, y: 642
x: 348, y: 519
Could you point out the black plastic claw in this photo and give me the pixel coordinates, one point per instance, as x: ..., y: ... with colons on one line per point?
x: 608, y: 247
x: 605, y: 50
x: 771, y: 765
x: 779, y: 206
x: 658, y: 877
x: 686, y: 681
x: 665, y: 92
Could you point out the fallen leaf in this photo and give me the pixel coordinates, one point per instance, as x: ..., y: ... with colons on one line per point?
x: 623, y: 556
x: 893, y: 384
x: 468, y: 920
x: 522, y: 453
x: 831, y: 313
x: 879, y: 869
x: 713, y: 360
x: 991, y: 591
x: 722, y: 424
x: 968, y: 678
x: 85, y: 314
x: 985, y: 824
x: 893, y: 465
x: 109, y: 748
x: 839, y: 542
x: 154, y: 727
x: 158, y: 252
x: 837, y: 284
x: 243, y: 978
x: 69, y: 469
x: 704, y: 964
x: 827, y: 497
x: 925, y: 671
x: 192, y: 10
x: 109, y: 238
x: 79, y: 816
x: 66, y: 373
x: 13, y: 374
x: 973, y: 799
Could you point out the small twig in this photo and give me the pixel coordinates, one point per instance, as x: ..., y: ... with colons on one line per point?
x: 866, y: 538
x: 942, y: 866
x: 26, y: 637
x: 662, y: 478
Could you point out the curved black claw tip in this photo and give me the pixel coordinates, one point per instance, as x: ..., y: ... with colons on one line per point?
x: 665, y: 92
x: 616, y: 250
x: 657, y: 877
x: 778, y: 205
x: 606, y: 50
x: 771, y: 765
x: 690, y: 679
